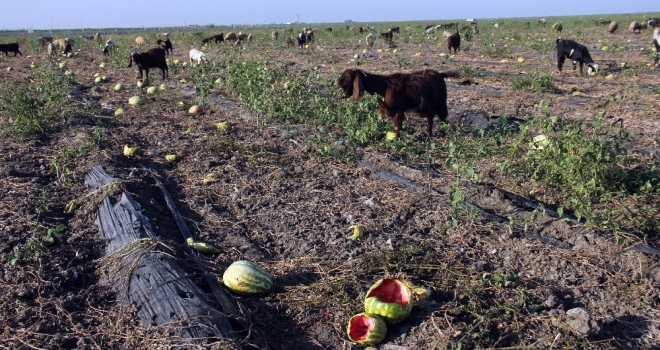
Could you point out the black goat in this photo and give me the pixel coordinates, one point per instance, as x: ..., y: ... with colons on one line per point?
x: 217, y: 38
x: 7, y: 48
x: 302, y: 39
x: 154, y: 58
x: 167, y: 45
x: 423, y: 91
x: 577, y: 53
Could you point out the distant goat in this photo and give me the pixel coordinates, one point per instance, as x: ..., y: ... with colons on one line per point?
x: 12, y: 47
x: 197, y: 56
x: 454, y: 41
x: 423, y: 91
x: 543, y: 21
x: 163, y: 35
x: 613, y: 27
x: 154, y: 58
x: 577, y: 53
x: 388, y: 35
x: 635, y: 27
x: 219, y: 38
x: 51, y: 49
x: 274, y: 34
x: 140, y: 41
x: 558, y: 27
x: 167, y: 45
x: 302, y: 39
x: 109, y: 46
x: 65, y: 45
x: 87, y: 37
x: 231, y: 36
x: 45, y: 40
x: 289, y: 42
x: 371, y: 39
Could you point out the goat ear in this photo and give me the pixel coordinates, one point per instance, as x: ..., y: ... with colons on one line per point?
x: 358, y: 89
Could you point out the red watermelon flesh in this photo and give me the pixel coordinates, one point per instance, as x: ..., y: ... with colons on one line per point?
x: 391, y: 291
x: 360, y: 327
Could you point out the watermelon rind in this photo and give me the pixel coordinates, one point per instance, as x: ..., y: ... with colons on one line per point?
x: 391, y: 312
x: 359, y: 324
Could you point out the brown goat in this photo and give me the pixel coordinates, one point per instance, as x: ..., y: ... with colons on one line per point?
x: 422, y: 91
x: 613, y: 27
x: 454, y: 41
x: 154, y: 58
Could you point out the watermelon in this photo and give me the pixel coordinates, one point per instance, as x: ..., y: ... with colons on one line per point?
x: 136, y: 100
x: 247, y: 278
x: 366, y: 329
x: 390, y: 299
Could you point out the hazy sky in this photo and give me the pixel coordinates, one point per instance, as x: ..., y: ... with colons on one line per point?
x: 57, y: 14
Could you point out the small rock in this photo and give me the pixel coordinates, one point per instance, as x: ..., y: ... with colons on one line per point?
x: 551, y: 302
x: 581, y: 321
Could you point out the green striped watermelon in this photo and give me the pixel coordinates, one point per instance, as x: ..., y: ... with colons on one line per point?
x: 366, y: 329
x: 247, y: 278
x: 390, y: 299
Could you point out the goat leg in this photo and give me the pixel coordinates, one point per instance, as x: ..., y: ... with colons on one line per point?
x: 397, y: 120
x: 429, y: 124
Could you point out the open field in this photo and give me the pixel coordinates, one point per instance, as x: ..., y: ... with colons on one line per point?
x: 507, y: 235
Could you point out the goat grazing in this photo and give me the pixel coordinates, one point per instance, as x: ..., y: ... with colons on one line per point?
x: 87, y: 37
x: 454, y: 41
x: 558, y: 27
x: 163, y: 35
x: 109, y: 46
x: 289, y: 42
x: 154, y: 58
x: 577, y: 53
x: 613, y: 27
x: 388, y: 35
x: 12, y: 47
x: 65, y: 45
x: 543, y: 21
x: 216, y: 38
x: 45, y: 40
x: 231, y: 36
x: 167, y: 45
x: 51, y: 49
x: 139, y: 41
x: 371, y: 39
x: 423, y: 91
x: 635, y: 27
x: 429, y: 31
x: 197, y: 55
x: 274, y: 34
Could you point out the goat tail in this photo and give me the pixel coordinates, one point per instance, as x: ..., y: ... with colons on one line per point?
x: 450, y: 74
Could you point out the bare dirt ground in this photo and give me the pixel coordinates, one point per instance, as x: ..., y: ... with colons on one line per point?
x: 276, y: 202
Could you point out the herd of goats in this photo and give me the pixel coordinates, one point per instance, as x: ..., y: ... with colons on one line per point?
x: 424, y: 91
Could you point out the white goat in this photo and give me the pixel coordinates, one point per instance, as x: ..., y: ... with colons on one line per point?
x: 109, y: 45
x: 371, y: 39
x: 429, y: 31
x: 197, y: 55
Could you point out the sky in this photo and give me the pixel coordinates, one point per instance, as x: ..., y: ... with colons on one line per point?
x: 75, y: 14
